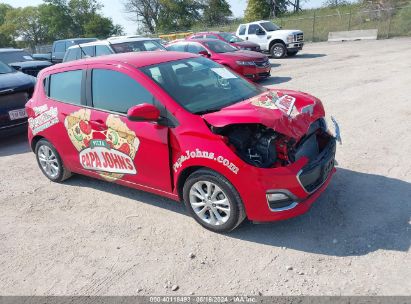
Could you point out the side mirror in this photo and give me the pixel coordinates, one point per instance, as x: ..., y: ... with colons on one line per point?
x: 260, y: 32
x: 143, y: 112
x: 204, y: 53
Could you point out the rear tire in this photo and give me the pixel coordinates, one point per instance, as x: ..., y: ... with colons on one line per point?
x: 278, y: 50
x: 50, y: 162
x: 213, y: 201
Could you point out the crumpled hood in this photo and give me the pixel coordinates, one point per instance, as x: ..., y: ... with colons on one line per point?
x: 287, y: 112
x: 16, y: 81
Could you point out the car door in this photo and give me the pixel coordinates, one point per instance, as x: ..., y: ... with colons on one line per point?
x: 127, y: 151
x: 260, y: 39
x: 67, y: 126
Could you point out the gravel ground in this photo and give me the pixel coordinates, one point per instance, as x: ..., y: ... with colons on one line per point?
x: 89, y: 237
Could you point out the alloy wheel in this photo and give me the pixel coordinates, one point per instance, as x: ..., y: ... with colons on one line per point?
x: 48, y: 161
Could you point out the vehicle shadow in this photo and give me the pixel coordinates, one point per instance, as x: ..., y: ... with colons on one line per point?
x: 126, y: 192
x: 359, y: 213
x: 307, y: 56
x: 14, y: 144
x: 275, y: 65
x: 274, y: 80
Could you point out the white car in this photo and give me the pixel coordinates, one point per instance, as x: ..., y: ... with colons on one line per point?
x: 271, y: 38
x: 112, y: 46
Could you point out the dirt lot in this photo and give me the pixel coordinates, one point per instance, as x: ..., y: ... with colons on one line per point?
x: 89, y: 237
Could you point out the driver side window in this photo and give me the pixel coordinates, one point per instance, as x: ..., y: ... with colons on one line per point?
x: 117, y: 92
x: 252, y: 29
x: 195, y: 48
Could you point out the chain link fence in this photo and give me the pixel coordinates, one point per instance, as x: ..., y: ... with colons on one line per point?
x: 390, y: 22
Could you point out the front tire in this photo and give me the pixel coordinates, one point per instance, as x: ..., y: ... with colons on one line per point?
x: 213, y: 201
x: 50, y: 162
x: 278, y: 50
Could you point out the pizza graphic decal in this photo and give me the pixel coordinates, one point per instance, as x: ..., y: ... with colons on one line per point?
x: 110, y: 151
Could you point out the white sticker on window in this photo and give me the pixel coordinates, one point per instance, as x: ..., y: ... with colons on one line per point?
x: 28, y: 57
x: 224, y: 73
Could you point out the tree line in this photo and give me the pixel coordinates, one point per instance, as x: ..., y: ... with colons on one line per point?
x: 52, y: 20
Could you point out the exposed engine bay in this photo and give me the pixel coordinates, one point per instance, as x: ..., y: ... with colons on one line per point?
x: 264, y: 148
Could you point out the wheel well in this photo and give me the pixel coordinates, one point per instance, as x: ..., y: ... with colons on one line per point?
x: 275, y: 41
x: 34, y: 141
x: 183, y: 177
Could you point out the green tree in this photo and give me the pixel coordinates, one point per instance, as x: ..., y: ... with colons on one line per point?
x: 56, y: 15
x: 25, y: 23
x: 257, y: 10
x: 178, y: 15
x: 264, y: 9
x: 216, y: 12
x: 5, y: 37
x: 101, y: 27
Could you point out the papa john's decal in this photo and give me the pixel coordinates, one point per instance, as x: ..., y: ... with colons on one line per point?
x: 110, y: 151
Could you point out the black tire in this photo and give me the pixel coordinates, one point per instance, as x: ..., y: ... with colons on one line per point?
x: 292, y: 54
x: 278, y: 50
x: 237, y: 213
x: 63, y: 173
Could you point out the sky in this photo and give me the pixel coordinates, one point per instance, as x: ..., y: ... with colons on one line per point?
x: 114, y: 9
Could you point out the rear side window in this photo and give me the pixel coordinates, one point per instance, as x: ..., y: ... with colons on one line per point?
x: 66, y: 86
x: 195, y: 48
x: 72, y: 54
x: 102, y: 50
x: 211, y: 37
x: 60, y: 47
x: 242, y: 29
x: 178, y: 47
x: 117, y: 92
x: 87, y: 51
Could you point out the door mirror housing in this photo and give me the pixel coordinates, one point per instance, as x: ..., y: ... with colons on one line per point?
x: 204, y: 53
x: 143, y: 112
x: 260, y: 32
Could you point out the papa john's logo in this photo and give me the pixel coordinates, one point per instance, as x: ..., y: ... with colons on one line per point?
x: 110, y: 151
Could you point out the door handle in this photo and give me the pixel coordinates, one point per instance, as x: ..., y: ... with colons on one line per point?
x: 246, y: 38
x: 98, y: 124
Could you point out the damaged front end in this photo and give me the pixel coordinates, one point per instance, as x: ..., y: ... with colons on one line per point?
x: 269, y: 137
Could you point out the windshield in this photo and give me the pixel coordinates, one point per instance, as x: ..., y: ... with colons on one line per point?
x: 4, y: 68
x: 137, y: 46
x: 269, y: 26
x: 218, y: 46
x: 200, y: 85
x: 230, y: 37
x: 15, y: 56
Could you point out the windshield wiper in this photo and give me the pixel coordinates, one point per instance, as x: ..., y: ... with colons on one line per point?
x: 207, y: 111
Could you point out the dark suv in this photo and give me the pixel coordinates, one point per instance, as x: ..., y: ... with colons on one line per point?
x: 22, y: 61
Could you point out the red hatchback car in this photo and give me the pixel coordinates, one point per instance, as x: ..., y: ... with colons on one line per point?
x: 229, y: 38
x: 251, y: 65
x: 184, y: 127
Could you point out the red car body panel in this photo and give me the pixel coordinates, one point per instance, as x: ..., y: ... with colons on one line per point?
x: 164, y: 154
x: 230, y: 59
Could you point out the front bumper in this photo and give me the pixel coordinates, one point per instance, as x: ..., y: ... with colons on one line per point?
x: 295, y: 46
x: 302, y: 182
x: 255, y: 72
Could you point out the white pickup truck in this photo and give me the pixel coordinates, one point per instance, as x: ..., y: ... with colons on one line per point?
x: 271, y: 38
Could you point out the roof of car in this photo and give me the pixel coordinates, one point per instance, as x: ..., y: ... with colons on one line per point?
x: 136, y: 59
x: 75, y: 39
x: 201, y: 40
x: 4, y: 50
x: 109, y: 42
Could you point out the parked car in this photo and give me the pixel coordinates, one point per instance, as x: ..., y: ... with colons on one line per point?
x: 112, y: 46
x: 229, y: 38
x: 228, y: 148
x: 272, y: 38
x: 60, y: 47
x: 22, y: 61
x: 15, y: 90
x: 252, y: 65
